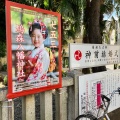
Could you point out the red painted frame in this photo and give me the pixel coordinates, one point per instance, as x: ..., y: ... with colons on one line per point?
x: 10, y: 94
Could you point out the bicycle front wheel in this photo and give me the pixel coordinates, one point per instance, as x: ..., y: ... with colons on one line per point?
x: 86, y: 117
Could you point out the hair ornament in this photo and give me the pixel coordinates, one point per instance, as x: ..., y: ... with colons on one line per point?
x: 42, y: 25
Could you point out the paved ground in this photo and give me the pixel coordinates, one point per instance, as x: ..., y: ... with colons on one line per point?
x: 115, y: 115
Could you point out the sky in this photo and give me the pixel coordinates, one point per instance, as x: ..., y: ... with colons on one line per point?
x: 108, y: 17
x: 114, y: 14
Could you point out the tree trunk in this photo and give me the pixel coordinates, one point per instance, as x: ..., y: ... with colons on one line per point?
x: 94, y: 22
x: 93, y: 27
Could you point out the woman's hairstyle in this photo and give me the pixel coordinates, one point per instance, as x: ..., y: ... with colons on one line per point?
x: 37, y: 24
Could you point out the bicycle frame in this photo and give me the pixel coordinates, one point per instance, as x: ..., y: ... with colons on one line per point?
x: 108, y: 100
x: 89, y: 114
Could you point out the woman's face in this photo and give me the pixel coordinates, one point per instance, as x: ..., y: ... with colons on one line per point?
x: 37, y: 38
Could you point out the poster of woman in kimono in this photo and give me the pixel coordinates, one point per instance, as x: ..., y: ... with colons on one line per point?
x: 33, y: 49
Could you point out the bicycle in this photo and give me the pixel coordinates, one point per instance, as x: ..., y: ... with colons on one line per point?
x: 104, y: 105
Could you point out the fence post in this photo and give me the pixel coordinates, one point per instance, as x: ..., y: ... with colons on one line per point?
x: 46, y: 105
x: 4, y: 111
x: 71, y: 108
x: 3, y: 104
x: 30, y: 107
x: 23, y: 109
x: 0, y: 110
x: 12, y: 110
x: 10, y: 105
x: 75, y: 105
x: 61, y: 103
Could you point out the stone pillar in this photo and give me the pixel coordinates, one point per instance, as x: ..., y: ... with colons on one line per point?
x: 24, y: 108
x: 0, y: 110
x: 71, y: 109
x: 75, y: 94
x: 4, y: 111
x: 61, y: 104
x: 30, y: 107
x: 46, y: 105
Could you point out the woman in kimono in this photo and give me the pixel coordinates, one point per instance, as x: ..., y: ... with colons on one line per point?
x: 37, y: 61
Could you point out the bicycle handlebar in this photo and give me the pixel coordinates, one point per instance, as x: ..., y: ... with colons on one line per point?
x: 119, y: 90
x: 108, y: 99
x: 105, y: 97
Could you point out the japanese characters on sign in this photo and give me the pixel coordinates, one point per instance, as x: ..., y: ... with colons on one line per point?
x: 20, y: 54
x: 90, y: 55
x: 92, y: 85
x: 33, y: 47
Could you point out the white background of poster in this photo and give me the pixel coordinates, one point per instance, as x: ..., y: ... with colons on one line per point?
x: 93, y: 55
x: 109, y: 80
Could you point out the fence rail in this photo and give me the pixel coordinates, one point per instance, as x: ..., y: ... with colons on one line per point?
x: 58, y: 104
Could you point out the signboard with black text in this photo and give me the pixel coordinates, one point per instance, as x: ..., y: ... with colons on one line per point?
x: 90, y: 55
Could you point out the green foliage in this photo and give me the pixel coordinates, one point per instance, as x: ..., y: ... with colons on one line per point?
x: 2, y: 49
x: 64, y: 74
x: 4, y: 67
x: 107, y: 7
x: 26, y: 2
x: 71, y: 10
x: 5, y: 80
x: 25, y: 19
x: 15, y: 15
x: 2, y: 22
x: 2, y: 29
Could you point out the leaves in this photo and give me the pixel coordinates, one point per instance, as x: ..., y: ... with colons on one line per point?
x: 5, y: 80
x: 2, y: 49
x: 71, y: 10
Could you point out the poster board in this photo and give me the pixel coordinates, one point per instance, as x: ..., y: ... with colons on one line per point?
x: 91, y: 55
x: 92, y: 85
x: 33, y: 53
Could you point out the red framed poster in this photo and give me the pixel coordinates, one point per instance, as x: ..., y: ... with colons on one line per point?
x: 33, y: 49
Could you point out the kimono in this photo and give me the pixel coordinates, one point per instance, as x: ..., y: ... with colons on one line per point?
x: 37, y: 64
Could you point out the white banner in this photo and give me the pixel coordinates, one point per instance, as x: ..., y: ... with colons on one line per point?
x: 91, y: 55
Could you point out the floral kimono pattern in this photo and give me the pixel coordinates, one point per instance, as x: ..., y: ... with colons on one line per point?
x: 37, y: 64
